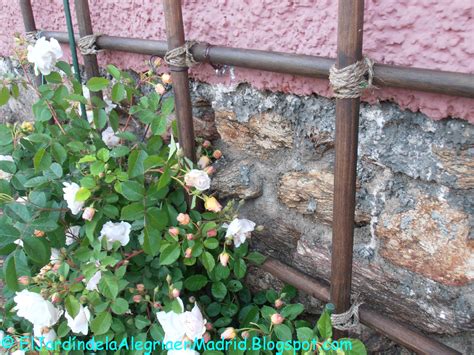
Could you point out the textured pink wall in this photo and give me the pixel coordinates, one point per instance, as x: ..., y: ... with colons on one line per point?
x: 433, y: 34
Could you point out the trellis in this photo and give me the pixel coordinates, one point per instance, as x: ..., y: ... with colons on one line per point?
x: 349, y: 51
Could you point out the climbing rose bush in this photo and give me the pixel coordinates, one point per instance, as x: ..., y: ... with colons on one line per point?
x: 101, y: 233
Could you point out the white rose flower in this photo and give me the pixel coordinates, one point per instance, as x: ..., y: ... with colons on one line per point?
x: 55, y: 256
x: 198, y: 179
x: 18, y: 352
x: 178, y: 326
x: 239, y: 230
x: 43, y: 335
x: 3, y: 174
x: 91, y: 285
x: 116, y: 232
x: 109, y: 138
x: 19, y: 242
x: 70, y: 190
x: 44, y: 54
x: 34, y: 308
x: 72, y: 234
x: 80, y: 323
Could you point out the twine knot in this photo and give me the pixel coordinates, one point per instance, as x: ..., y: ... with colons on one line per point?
x: 87, y: 44
x: 350, y: 81
x: 348, y: 319
x: 32, y: 36
x: 181, y: 57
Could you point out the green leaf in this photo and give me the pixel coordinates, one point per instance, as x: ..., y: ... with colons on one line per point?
x: 219, y: 290
x: 195, y: 282
x: 118, y: 92
x: 165, y: 179
x: 324, y: 325
x: 141, y: 322
x: 208, y: 261
x: 240, y: 268
x: 4, y: 95
x: 9, y: 273
x: 114, y: 71
x: 41, y: 160
x: 41, y: 111
x: 55, y: 171
x: 65, y: 67
x: 305, y: 334
x: 170, y: 254
x: 283, y: 332
x: 103, y: 154
x: 83, y: 194
x: 72, y: 306
x: 59, y: 153
x: 151, y: 241
x: 37, y: 249
x: 352, y: 346
x: 211, y: 243
x: 5, y: 135
x: 156, y: 218
x: 54, y: 77
x: 132, y: 190
x: 256, y: 258
x: 108, y: 286
x: 8, y: 234
x: 292, y: 311
x: 17, y: 212
x: 119, y: 306
x: 97, y: 84
x: 101, y: 323
x: 133, y: 211
x: 135, y: 163
x: 119, y: 151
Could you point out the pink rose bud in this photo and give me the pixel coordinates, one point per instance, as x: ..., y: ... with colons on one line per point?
x: 183, y: 218
x: 206, y: 337
x: 174, y: 231
x: 56, y: 298
x: 212, y: 233
x: 137, y: 298
x: 209, y: 326
x: 140, y: 287
x: 209, y: 170
x: 203, y: 162
x: 211, y: 204
x: 229, y: 333
x: 277, y: 319
x: 11, y: 330
x: 279, y: 303
x: 206, y: 144
x: 188, y: 253
x: 160, y: 89
x: 157, y: 305
x: 88, y: 213
x: 166, y: 78
x: 189, y: 236
x: 224, y: 258
x: 217, y: 154
x: 38, y: 233
x: 245, y: 334
x: 56, y: 267
x: 24, y: 280
x: 175, y: 293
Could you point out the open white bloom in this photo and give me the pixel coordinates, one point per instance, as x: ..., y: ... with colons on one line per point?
x: 198, y: 179
x: 179, y: 326
x: 43, y: 335
x: 70, y: 190
x: 80, y: 323
x: 34, y: 308
x: 19, y: 242
x: 44, y: 54
x: 55, y: 256
x: 3, y: 174
x: 72, y: 234
x: 239, y: 230
x: 91, y: 285
x: 109, y: 138
x: 18, y: 352
x: 116, y: 232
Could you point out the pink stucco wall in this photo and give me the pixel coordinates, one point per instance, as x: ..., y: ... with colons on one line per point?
x: 433, y: 34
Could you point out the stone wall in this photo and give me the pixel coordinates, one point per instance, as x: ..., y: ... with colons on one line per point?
x: 413, y: 253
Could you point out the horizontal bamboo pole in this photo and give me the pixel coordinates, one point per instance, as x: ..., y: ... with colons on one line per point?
x: 441, y: 82
x: 401, y: 333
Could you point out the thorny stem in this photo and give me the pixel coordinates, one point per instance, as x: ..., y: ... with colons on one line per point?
x: 130, y: 256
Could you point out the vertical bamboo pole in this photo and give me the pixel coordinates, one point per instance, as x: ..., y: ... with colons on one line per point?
x: 349, y: 51
x: 179, y: 76
x: 30, y: 25
x: 85, y: 28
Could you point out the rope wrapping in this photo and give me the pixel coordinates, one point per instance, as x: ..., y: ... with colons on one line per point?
x: 348, y: 319
x: 32, y: 36
x: 181, y: 57
x: 350, y: 81
x: 87, y: 44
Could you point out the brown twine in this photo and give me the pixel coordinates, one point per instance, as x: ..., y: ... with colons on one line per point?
x: 350, y: 81
x: 181, y: 57
x: 349, y: 319
x: 32, y: 36
x: 87, y: 44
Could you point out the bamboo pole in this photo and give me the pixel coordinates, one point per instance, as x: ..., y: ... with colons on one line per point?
x: 349, y: 51
x: 179, y: 77
x: 84, y: 23
x: 30, y: 26
x: 434, y: 81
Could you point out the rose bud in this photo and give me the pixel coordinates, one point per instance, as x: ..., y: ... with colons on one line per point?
x: 192, y: 299
x: 157, y: 305
x: 203, y: 162
x: 168, y: 278
x: 11, y: 330
x: 188, y: 253
x: 174, y: 231
x: 88, y: 213
x: 24, y: 280
x: 183, y: 218
x: 206, y: 144
x: 206, y: 337
x: 166, y: 78
x: 137, y: 298
x: 277, y: 319
x: 229, y: 333
x: 209, y: 326
x: 160, y: 89
x: 224, y: 258
x: 38, y: 233
x: 175, y: 293
x: 189, y: 236
x: 27, y: 126
x: 217, y: 154
x: 279, y: 303
x: 211, y: 233
x: 140, y: 287
x: 245, y: 334
x: 56, y: 267
x: 211, y: 204
x: 56, y: 298
x: 259, y: 228
x: 209, y: 170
